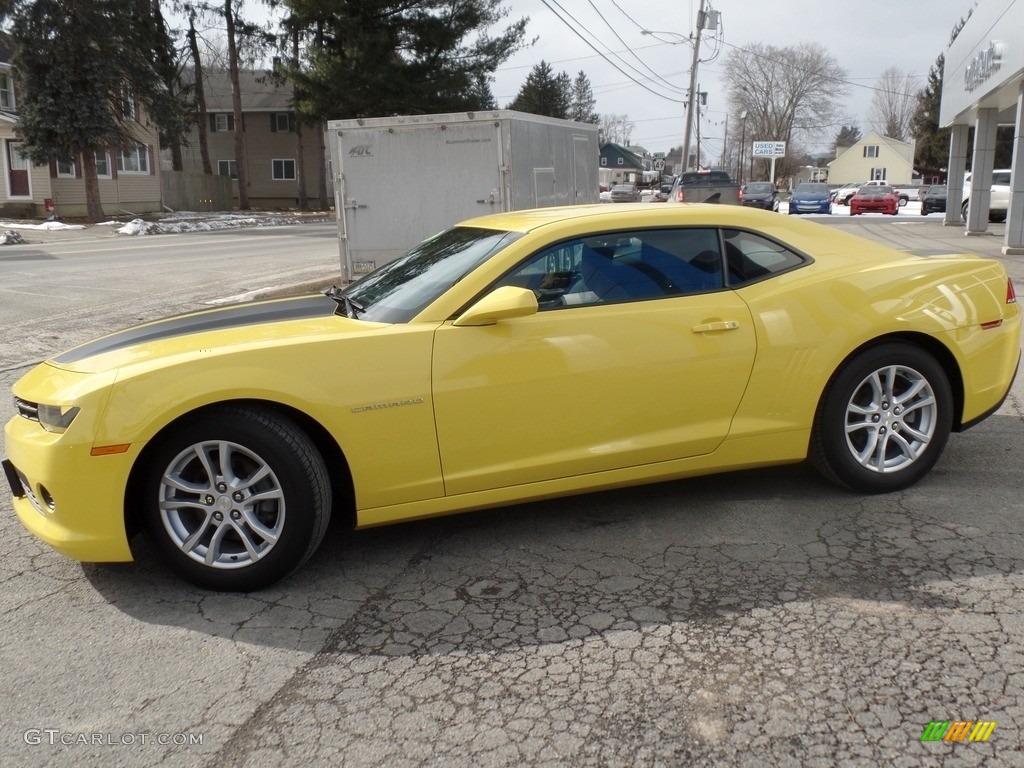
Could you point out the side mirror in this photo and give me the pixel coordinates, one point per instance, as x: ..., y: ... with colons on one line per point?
x: 500, y: 304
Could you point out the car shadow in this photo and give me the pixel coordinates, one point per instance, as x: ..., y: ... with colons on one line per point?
x: 695, y: 552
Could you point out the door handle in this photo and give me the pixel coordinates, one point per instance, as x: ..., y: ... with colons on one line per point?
x: 721, y: 325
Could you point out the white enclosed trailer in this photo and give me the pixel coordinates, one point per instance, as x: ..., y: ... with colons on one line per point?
x: 398, y: 180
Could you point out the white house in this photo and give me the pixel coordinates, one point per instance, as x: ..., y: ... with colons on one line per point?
x: 874, y: 158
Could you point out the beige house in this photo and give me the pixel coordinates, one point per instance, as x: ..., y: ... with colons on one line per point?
x: 268, y: 125
x: 874, y: 158
x: 129, y: 178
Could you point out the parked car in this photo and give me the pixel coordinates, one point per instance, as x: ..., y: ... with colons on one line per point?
x: 873, y: 198
x: 625, y: 193
x: 934, y: 200
x: 902, y: 196
x: 999, y: 202
x: 760, y: 194
x: 513, y: 357
x: 810, y: 197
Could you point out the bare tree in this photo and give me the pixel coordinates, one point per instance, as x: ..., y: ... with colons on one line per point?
x: 790, y: 94
x: 616, y: 128
x: 892, y: 105
x: 200, y: 95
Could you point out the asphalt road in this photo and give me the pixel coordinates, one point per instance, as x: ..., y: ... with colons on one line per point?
x: 758, y: 618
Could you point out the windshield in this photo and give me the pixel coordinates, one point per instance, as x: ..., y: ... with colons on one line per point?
x: 760, y: 188
x: 811, y: 189
x: 399, y: 290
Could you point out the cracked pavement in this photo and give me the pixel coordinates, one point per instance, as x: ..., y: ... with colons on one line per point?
x: 756, y: 618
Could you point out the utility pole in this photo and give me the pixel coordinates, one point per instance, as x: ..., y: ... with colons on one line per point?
x: 693, y: 87
x: 696, y: 162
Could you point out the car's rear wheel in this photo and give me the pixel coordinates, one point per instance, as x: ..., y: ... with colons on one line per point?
x: 236, y: 499
x: 884, y: 419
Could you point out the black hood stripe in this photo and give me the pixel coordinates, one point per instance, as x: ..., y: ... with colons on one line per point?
x: 255, y: 313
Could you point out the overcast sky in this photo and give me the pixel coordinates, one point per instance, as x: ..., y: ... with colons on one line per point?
x: 865, y: 38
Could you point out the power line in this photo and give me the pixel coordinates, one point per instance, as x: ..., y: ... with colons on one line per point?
x: 576, y: 31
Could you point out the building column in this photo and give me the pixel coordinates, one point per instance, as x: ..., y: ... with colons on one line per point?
x: 1013, y: 241
x: 958, y: 136
x: 981, y: 171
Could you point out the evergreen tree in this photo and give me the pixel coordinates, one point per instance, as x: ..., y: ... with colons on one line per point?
x: 848, y: 136
x: 931, y: 152
x: 385, y: 57
x: 581, y: 108
x: 80, y: 69
x: 544, y: 93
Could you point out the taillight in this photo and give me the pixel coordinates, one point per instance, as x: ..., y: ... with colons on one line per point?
x: 679, y: 195
x: 741, y: 194
x: 1011, y: 295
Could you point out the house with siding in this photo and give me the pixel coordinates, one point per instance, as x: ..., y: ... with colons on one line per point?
x: 874, y: 158
x: 619, y: 165
x: 129, y: 177
x: 268, y: 126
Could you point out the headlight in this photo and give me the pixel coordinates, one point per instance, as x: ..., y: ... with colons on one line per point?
x: 56, y: 418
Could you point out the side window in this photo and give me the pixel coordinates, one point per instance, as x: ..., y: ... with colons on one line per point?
x: 751, y: 257
x: 622, y: 266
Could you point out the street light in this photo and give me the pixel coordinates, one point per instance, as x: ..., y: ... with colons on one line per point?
x: 654, y: 33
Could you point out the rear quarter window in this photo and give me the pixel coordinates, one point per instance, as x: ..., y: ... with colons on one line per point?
x: 751, y: 257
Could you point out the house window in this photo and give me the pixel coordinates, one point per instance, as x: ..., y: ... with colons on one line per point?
x: 222, y: 121
x: 103, y: 164
x: 227, y: 168
x: 619, y: 161
x: 604, y: 161
x: 6, y: 92
x: 283, y: 170
x: 871, y: 150
x: 282, y: 122
x: 878, y: 174
x: 134, y: 160
x: 66, y: 169
x: 127, y: 102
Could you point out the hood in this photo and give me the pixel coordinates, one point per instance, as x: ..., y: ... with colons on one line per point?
x: 206, y: 330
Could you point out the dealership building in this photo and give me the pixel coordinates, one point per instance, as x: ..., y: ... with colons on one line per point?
x: 983, y: 87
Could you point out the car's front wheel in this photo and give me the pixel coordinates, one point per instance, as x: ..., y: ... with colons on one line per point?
x: 236, y: 499
x: 884, y: 419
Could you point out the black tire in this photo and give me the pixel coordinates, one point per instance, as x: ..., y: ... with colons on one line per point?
x: 871, y: 443
x: 245, y: 528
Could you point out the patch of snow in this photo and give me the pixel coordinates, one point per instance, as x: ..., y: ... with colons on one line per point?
x: 10, y: 237
x: 46, y: 225
x: 186, y: 221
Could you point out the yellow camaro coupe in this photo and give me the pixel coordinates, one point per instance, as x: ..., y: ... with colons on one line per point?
x: 513, y: 357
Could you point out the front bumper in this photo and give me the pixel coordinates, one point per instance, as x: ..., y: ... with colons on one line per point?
x: 65, y: 496
x: 810, y: 208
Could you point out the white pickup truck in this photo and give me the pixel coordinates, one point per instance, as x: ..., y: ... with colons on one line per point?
x: 1000, y: 201
x: 843, y: 194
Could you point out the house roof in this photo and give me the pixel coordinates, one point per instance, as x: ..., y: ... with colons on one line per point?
x: 614, y: 151
x: 260, y: 92
x: 874, y: 137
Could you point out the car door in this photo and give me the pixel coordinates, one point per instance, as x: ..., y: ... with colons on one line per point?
x: 644, y: 362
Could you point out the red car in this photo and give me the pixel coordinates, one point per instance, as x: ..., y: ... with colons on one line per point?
x: 875, y: 199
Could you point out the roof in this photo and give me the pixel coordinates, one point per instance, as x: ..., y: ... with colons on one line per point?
x: 260, y: 92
